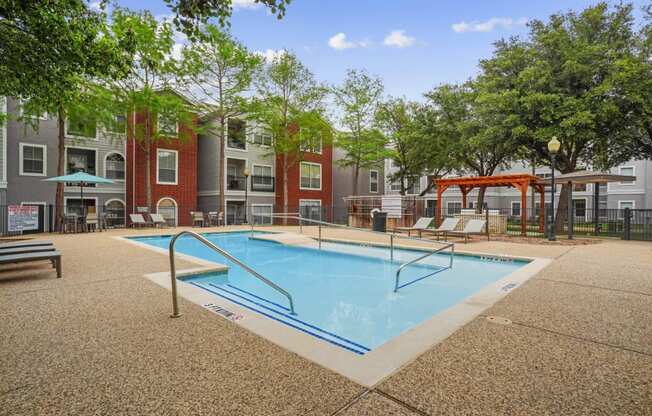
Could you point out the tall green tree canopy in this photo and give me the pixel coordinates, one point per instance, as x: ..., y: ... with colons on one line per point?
x: 363, y: 144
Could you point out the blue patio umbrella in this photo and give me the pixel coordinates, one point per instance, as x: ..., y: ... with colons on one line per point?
x: 82, y: 179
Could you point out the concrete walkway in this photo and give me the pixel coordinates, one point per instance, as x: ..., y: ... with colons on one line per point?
x: 99, y: 341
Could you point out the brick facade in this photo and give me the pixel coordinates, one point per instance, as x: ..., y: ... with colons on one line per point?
x: 295, y: 193
x: 184, y: 193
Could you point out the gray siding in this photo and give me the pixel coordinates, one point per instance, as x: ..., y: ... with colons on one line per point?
x: 343, y: 183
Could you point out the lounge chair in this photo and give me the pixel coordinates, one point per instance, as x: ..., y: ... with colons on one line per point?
x: 53, y: 256
x: 19, y: 250
x: 472, y: 227
x: 446, y: 227
x: 158, y: 220
x: 28, y: 243
x: 197, y: 218
x: 423, y: 224
x: 215, y: 218
x: 137, y: 220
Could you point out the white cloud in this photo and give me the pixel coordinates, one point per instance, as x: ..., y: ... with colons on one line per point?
x: 245, y: 4
x: 398, y: 39
x: 95, y: 5
x: 489, y: 25
x: 271, y: 55
x: 340, y: 42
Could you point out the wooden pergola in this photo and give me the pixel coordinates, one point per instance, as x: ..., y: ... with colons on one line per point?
x: 519, y: 181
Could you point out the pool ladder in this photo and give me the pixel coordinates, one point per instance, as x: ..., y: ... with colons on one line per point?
x: 173, y: 271
x: 418, y: 259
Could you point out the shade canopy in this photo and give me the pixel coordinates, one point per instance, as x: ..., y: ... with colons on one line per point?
x: 589, y: 176
x: 79, y: 177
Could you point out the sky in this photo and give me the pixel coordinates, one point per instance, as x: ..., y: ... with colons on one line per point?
x: 413, y: 45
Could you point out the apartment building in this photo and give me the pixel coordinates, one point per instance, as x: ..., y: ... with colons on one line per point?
x: 3, y: 154
x: 248, y: 172
x: 309, y: 183
x: 371, y: 182
x: 32, y: 156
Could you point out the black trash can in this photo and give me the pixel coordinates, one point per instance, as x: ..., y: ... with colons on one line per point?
x: 380, y: 221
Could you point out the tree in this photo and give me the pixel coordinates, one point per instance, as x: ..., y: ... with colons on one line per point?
x: 147, y: 88
x: 364, y: 146
x: 290, y: 105
x: 50, y: 54
x: 219, y: 71
x: 395, y: 117
x: 190, y: 15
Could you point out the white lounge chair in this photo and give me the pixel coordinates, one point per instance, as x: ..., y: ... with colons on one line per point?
x: 158, y: 220
x: 472, y: 227
x: 137, y: 220
x: 197, y: 218
x: 423, y: 224
x: 446, y: 227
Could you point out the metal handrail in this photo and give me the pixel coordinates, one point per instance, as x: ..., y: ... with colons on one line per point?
x: 411, y: 262
x: 391, y: 242
x: 173, y: 271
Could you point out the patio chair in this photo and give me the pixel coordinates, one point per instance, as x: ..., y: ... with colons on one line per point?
x: 158, y: 220
x: 446, y: 227
x: 137, y: 220
x: 92, y: 222
x: 69, y: 223
x: 215, y: 218
x: 197, y: 218
x: 53, y: 256
x: 28, y: 243
x: 471, y: 228
x: 423, y: 224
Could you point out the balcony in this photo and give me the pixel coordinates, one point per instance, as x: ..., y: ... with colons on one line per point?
x: 235, y: 182
x: 262, y: 183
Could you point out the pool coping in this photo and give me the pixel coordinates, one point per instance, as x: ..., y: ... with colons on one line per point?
x: 368, y: 369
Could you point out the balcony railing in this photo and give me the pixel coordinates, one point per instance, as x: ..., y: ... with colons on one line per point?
x: 262, y: 183
x: 235, y: 183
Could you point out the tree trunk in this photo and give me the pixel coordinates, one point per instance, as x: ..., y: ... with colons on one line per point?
x: 61, y: 144
x: 356, y: 175
x: 561, y: 213
x: 148, y: 161
x: 480, y: 201
x: 285, y: 187
x: 222, y: 168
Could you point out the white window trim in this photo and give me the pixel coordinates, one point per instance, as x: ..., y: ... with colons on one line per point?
x: 236, y: 149
x: 270, y: 206
x: 511, y: 209
x: 20, y: 158
x: 158, y: 127
x: 377, y: 181
x: 627, y: 201
x: 620, y: 172
x: 226, y: 174
x: 125, y: 162
x: 253, y: 165
x: 309, y: 200
x: 74, y: 136
x: 448, y: 203
x: 43, y: 117
x: 65, y: 157
x: 67, y: 198
x: 113, y: 200
x: 305, y: 149
x: 265, y: 146
x: 119, y: 133
x: 320, y: 176
x: 176, y: 208
x: 176, y: 167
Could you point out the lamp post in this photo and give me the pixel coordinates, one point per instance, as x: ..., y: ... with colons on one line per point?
x: 246, y: 175
x: 553, y: 148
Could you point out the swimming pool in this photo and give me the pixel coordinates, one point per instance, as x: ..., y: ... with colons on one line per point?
x: 343, y: 293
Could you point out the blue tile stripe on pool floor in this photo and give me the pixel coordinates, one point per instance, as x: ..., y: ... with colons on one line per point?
x: 292, y: 318
x: 346, y: 347
x: 258, y: 297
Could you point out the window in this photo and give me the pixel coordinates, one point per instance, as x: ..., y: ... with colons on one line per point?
x: 115, y: 213
x: 236, y: 134
x: 167, y: 167
x: 167, y: 207
x: 545, y: 175
x: 262, y: 214
x: 167, y: 125
x: 74, y: 206
x: 263, y: 138
x: 311, y: 146
x: 373, y: 181
x: 32, y: 159
x: 80, y: 126
x: 80, y: 160
x: 114, y: 167
x: 262, y: 179
x: 29, y: 112
x: 310, y: 208
x: 453, y: 207
x: 414, y: 185
x: 626, y: 204
x: 580, y: 187
x: 516, y: 209
x: 310, y: 175
x: 579, y: 208
x: 395, y: 186
x: 118, y: 125
x: 627, y: 171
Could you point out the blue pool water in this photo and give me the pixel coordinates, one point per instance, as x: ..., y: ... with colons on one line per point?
x: 343, y: 293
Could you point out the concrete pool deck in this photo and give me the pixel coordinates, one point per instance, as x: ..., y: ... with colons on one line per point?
x: 99, y: 341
